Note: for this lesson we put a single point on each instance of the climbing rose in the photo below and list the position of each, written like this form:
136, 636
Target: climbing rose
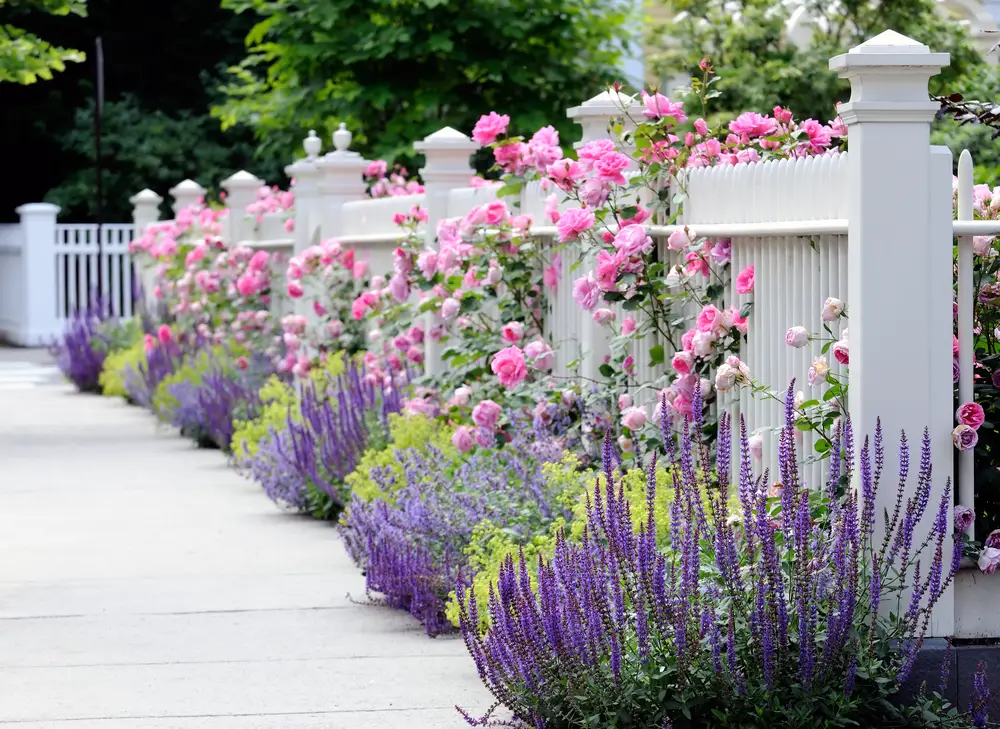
541, 355
832, 309
489, 127
993, 539
797, 337
842, 352
964, 517
586, 292
573, 222
628, 325
164, 334
512, 332
509, 367
486, 414
971, 414
658, 105
744, 281
989, 560
964, 437
634, 418
463, 439
603, 316
610, 167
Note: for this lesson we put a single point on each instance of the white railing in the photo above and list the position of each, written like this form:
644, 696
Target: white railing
12, 303
88, 274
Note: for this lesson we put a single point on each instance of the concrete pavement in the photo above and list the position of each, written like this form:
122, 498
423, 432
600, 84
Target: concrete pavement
143, 584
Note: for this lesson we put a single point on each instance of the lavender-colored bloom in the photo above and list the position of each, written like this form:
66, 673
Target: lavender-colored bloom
980, 697
80, 351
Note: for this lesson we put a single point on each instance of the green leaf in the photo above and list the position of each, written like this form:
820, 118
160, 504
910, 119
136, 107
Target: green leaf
606, 370
656, 355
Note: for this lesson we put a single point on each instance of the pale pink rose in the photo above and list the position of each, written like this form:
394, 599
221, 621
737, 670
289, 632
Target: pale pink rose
703, 343
415, 354
489, 127
512, 332
552, 208
842, 352
399, 287
494, 275
971, 414
797, 337
449, 308
610, 167
753, 124
359, 269
634, 418
683, 363
632, 240
832, 309
625, 444
757, 446
335, 328
603, 316
744, 281
590, 152
566, 173
628, 325
462, 396
679, 240
574, 222
594, 192
463, 439
993, 539
710, 319
496, 212
818, 370
989, 560
658, 106
540, 354
964, 437
586, 292
624, 401
509, 367
486, 414
427, 263
982, 244
964, 518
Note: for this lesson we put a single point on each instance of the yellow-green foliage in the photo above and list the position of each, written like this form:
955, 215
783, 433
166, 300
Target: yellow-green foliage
277, 398
112, 378
192, 370
491, 545
405, 431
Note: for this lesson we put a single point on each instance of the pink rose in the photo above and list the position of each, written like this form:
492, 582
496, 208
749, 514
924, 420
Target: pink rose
679, 240
701, 127
683, 363
486, 414
993, 539
624, 401
757, 446
603, 316
399, 287
797, 337
489, 127
964, 517
541, 355
989, 560
359, 269
971, 414
449, 308
632, 240
744, 281
710, 319
463, 439
496, 212
658, 105
628, 325
842, 352
753, 124
832, 309
574, 222
610, 167
165, 335
512, 332
964, 437
509, 367
607, 270
586, 292
634, 418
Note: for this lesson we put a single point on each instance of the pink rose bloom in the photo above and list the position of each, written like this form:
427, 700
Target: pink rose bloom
744, 281
610, 167
496, 212
624, 401
797, 337
753, 125
165, 335
710, 319
628, 325
512, 332
552, 208
450, 308
511, 156
703, 343
989, 560
589, 153
399, 287
335, 328
678, 240
259, 261
832, 309
360, 268
722, 251
399, 218
701, 127
740, 322
842, 352
376, 168
658, 106
632, 240
818, 370
971, 414
463, 439
586, 292
594, 192
486, 414
964, 518
295, 289
604, 316
427, 263
566, 173
541, 355
509, 367
634, 418
683, 363
415, 355
993, 539
757, 446
550, 277
489, 127
964, 437
461, 396
574, 222
819, 135
607, 270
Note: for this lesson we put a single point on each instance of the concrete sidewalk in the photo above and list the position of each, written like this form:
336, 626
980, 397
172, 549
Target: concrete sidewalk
143, 584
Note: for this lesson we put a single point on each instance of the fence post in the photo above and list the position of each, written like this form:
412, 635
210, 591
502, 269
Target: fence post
446, 168
340, 181
595, 115
145, 212
241, 191
899, 264
186, 194
40, 322
307, 219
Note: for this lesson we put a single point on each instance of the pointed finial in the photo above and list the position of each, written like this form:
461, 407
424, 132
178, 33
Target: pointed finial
342, 138
312, 145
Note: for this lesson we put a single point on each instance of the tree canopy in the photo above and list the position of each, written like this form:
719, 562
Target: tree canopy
26, 58
397, 70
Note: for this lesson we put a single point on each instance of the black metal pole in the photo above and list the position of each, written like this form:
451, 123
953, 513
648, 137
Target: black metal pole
98, 112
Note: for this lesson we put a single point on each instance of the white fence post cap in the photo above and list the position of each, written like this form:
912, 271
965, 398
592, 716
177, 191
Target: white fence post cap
187, 186
312, 145
446, 138
242, 180
606, 103
145, 196
37, 209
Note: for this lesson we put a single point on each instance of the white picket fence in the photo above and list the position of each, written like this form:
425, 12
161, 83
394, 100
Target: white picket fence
50, 270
